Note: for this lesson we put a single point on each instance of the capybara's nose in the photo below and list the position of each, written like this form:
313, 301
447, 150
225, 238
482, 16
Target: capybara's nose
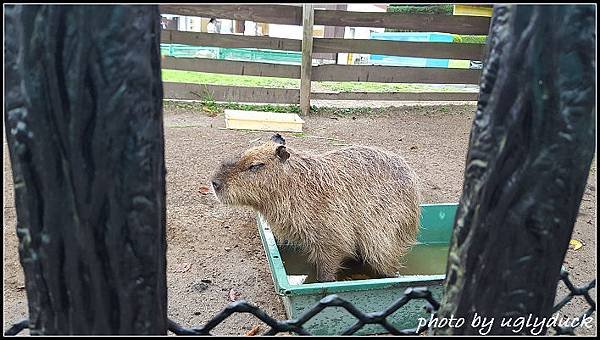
217, 185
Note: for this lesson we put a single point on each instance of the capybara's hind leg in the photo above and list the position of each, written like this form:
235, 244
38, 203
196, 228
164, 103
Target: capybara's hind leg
327, 265
326, 272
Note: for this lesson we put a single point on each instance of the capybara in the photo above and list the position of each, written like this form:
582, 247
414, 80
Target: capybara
356, 202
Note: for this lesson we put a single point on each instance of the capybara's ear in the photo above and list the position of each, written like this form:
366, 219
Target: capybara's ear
282, 153
278, 139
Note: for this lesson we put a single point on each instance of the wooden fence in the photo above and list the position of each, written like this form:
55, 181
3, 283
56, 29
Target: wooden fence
307, 16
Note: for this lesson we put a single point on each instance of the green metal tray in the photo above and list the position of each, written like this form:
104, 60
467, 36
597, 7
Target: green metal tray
368, 295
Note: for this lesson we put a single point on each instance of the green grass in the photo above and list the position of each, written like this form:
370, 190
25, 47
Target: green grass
213, 109
253, 81
178, 76
469, 39
445, 9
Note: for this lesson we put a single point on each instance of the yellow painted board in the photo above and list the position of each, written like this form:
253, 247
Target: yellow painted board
263, 121
458, 63
479, 11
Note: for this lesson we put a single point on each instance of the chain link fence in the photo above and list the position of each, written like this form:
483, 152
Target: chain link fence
362, 319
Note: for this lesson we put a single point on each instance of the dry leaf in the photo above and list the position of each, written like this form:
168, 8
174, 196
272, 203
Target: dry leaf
204, 190
575, 244
233, 294
253, 331
182, 267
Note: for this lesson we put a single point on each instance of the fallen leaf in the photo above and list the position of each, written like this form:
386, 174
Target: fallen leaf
233, 294
413, 147
253, 331
182, 267
575, 244
204, 190
20, 287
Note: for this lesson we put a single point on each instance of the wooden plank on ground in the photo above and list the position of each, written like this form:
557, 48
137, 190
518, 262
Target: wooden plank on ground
458, 24
273, 14
395, 74
246, 68
241, 94
229, 40
401, 48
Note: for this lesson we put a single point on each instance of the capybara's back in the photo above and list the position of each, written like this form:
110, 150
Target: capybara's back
356, 202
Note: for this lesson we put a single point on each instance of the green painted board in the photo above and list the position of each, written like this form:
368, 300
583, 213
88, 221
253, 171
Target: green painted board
426, 267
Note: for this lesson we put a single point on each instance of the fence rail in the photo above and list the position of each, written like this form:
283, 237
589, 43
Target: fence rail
330, 45
362, 319
248, 94
293, 15
342, 73
242, 68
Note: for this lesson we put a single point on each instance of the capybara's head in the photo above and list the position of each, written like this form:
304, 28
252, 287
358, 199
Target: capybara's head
248, 179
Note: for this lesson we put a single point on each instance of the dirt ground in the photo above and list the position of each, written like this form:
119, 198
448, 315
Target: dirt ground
213, 249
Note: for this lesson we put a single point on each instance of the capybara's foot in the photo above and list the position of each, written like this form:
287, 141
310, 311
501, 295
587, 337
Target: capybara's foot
326, 278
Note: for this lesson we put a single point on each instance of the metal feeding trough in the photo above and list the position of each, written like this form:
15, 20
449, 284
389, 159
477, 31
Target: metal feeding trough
424, 265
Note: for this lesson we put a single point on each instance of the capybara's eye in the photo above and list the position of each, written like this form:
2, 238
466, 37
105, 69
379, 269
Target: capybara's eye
255, 167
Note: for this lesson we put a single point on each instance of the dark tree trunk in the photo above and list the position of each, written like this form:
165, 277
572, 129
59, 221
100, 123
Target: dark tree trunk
84, 126
531, 146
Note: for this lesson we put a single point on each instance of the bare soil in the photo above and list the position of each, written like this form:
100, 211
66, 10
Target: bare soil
213, 249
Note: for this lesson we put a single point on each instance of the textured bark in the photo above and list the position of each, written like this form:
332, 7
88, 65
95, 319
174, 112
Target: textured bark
83, 103
531, 146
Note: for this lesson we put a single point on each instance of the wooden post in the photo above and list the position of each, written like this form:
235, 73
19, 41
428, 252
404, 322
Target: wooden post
531, 147
305, 69
84, 126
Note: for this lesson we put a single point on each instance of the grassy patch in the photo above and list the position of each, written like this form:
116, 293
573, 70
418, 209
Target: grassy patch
331, 112
213, 108
446, 9
252, 81
178, 76
346, 112
469, 39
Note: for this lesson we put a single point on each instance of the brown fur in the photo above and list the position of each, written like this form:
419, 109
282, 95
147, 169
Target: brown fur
356, 202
